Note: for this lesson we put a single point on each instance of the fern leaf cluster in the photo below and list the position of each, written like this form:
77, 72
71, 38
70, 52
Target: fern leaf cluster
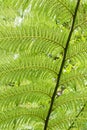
43, 82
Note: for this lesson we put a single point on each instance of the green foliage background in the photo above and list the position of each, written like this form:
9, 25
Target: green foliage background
33, 36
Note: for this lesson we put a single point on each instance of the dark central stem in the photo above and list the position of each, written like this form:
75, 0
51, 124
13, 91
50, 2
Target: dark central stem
62, 65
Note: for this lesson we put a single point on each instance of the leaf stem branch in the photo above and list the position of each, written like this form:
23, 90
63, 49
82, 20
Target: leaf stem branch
61, 67
82, 109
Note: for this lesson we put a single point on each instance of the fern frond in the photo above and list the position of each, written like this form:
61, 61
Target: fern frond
79, 96
25, 38
33, 92
75, 80
19, 115
25, 66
